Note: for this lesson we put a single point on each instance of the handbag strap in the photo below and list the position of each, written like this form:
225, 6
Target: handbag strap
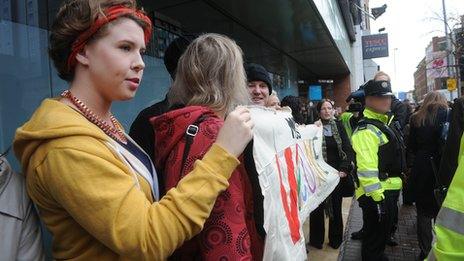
435, 172
190, 133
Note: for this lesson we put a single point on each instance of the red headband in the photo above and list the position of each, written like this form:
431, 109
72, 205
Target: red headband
111, 14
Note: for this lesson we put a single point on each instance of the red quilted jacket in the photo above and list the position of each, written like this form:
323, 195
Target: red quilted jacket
230, 232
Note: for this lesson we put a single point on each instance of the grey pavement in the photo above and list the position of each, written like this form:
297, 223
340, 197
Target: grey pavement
408, 248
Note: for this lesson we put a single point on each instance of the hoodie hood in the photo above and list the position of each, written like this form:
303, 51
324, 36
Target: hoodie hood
170, 129
52, 120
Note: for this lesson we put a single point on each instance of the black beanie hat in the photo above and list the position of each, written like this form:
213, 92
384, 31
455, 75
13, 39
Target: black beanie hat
256, 72
173, 53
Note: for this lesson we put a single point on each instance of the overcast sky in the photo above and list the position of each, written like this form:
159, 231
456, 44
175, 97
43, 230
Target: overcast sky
410, 25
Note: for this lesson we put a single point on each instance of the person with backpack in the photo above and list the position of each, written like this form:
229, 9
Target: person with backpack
426, 139
210, 81
141, 129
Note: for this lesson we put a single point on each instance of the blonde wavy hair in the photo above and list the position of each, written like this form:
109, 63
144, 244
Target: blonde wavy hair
428, 112
211, 73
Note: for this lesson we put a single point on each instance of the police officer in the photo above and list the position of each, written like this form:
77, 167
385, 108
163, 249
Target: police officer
380, 164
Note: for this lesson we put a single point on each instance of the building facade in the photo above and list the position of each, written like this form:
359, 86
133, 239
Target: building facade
436, 64
420, 81
458, 44
370, 67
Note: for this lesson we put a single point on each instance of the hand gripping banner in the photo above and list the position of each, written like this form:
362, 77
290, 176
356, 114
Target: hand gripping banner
293, 176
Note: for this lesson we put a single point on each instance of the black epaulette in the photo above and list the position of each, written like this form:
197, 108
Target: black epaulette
361, 127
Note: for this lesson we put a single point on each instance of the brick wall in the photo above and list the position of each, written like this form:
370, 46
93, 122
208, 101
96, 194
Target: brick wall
341, 91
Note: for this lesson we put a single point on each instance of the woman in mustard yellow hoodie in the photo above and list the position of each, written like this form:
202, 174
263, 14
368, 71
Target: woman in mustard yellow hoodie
95, 189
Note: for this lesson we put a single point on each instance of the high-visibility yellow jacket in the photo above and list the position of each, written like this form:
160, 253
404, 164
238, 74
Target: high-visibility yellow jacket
99, 207
449, 226
366, 142
345, 118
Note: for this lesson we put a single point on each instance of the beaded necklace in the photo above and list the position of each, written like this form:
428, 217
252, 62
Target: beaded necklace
115, 132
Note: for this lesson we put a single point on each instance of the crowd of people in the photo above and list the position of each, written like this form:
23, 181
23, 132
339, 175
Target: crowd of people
414, 151
182, 184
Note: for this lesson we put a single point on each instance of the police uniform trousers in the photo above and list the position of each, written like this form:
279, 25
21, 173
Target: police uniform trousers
375, 230
394, 227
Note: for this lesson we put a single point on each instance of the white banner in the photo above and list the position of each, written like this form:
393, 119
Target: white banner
293, 176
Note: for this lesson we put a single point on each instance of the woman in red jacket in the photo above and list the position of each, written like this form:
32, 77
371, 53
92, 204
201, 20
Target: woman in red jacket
209, 83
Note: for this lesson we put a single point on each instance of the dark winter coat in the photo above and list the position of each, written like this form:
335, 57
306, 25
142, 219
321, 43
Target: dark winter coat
424, 143
400, 111
141, 131
449, 161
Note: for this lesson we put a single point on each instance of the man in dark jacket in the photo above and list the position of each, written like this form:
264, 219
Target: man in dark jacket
400, 111
141, 130
449, 159
408, 187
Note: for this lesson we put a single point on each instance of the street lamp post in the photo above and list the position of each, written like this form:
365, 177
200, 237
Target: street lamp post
449, 50
445, 20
